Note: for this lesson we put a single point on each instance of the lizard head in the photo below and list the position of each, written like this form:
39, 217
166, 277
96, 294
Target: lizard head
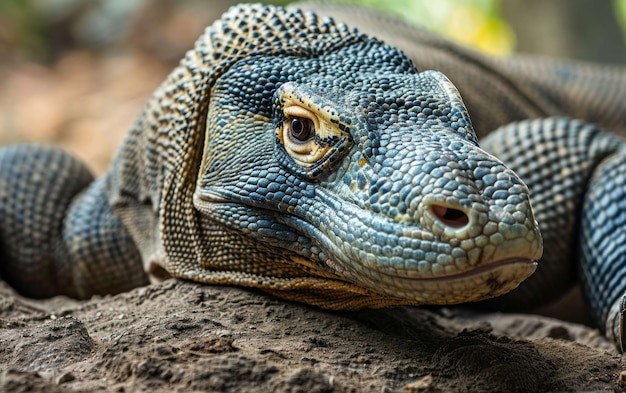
341, 176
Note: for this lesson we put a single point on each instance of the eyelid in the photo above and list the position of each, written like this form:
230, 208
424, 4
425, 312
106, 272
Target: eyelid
298, 111
305, 153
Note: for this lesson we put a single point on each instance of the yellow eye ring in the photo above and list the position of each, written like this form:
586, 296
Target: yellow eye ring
298, 135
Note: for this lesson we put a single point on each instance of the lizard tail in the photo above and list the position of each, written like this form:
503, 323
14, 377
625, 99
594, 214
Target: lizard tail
58, 232
37, 186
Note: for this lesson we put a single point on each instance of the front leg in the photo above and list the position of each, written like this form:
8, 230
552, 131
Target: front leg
575, 173
603, 246
58, 234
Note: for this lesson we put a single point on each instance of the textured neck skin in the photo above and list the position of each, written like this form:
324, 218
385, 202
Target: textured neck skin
393, 152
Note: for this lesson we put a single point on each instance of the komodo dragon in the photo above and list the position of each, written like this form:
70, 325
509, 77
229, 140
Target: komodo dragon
294, 154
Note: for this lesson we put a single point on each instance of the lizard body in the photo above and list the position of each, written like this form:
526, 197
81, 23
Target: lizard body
291, 153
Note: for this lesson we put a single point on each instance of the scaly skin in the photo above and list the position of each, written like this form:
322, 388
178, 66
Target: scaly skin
576, 174
293, 154
574, 170
498, 91
290, 153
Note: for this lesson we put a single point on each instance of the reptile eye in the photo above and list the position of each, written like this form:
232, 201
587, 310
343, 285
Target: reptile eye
298, 135
301, 129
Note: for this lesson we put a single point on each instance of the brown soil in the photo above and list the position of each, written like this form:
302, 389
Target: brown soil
185, 337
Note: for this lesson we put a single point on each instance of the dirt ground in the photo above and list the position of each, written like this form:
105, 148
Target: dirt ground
185, 337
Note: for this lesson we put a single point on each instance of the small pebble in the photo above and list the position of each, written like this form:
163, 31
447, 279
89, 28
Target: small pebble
66, 377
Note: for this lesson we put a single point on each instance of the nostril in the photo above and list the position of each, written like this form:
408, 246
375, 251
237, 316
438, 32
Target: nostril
454, 218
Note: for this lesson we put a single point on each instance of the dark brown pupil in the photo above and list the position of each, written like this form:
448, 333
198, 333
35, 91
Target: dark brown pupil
301, 129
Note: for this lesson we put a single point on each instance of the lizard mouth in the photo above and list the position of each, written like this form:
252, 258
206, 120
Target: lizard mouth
408, 278
509, 263
486, 280
481, 283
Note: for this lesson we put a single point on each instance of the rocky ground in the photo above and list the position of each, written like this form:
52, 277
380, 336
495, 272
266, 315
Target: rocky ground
185, 337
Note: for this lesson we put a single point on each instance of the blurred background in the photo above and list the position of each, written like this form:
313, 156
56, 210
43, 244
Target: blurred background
75, 73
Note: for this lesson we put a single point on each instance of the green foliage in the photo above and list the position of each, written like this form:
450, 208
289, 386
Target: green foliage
476, 23
20, 26
620, 14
